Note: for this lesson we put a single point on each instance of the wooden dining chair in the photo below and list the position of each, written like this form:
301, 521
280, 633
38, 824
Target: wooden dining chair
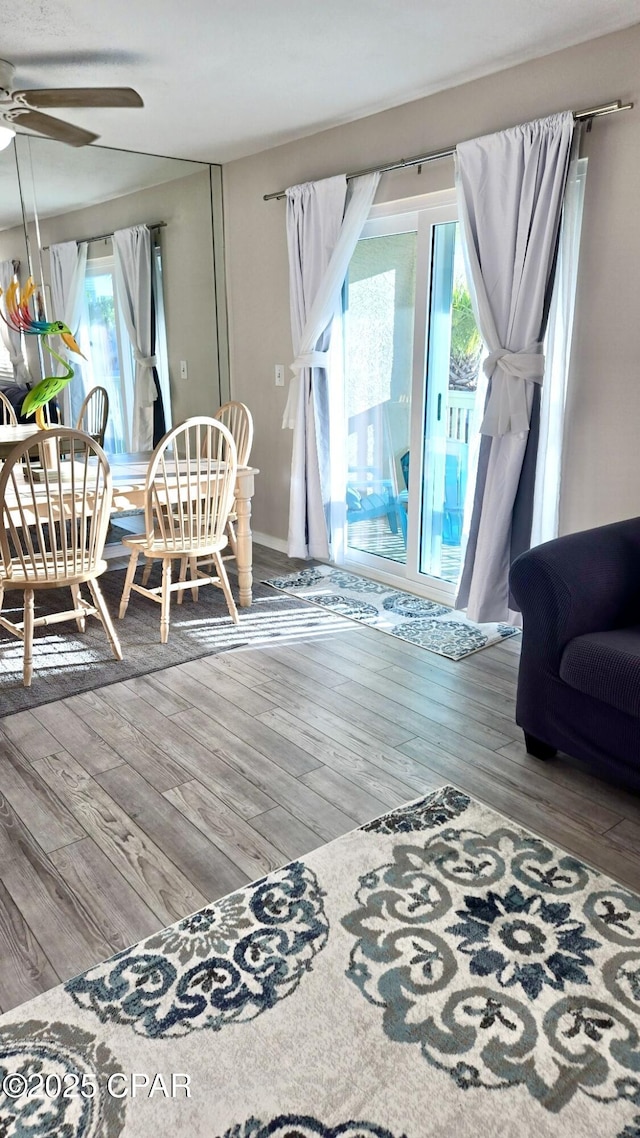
54, 528
94, 413
8, 417
188, 496
239, 420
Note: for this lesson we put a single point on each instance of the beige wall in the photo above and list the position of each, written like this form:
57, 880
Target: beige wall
187, 260
602, 453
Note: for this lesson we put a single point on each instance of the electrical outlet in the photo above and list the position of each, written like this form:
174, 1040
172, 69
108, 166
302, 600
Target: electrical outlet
279, 369
184, 373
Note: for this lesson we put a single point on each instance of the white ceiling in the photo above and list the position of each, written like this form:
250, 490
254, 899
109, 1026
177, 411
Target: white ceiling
225, 78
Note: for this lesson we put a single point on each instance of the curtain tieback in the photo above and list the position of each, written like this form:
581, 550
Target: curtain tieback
310, 359
146, 392
145, 361
304, 360
291, 408
508, 409
527, 364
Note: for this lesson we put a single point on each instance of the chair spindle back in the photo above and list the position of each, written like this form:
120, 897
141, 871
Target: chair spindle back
94, 413
8, 417
238, 418
190, 486
55, 511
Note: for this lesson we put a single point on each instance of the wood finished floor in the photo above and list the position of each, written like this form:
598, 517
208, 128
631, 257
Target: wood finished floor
126, 808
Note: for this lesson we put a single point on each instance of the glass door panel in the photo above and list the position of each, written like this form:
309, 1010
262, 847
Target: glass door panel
411, 358
107, 351
434, 430
453, 360
379, 325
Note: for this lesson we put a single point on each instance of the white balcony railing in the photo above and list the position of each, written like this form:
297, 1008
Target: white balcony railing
459, 412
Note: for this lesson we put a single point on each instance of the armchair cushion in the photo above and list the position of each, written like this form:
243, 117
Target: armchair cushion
606, 666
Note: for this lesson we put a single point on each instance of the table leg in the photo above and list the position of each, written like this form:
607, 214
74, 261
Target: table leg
244, 553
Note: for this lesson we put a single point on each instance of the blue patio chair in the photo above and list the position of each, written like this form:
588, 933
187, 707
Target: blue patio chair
369, 496
455, 484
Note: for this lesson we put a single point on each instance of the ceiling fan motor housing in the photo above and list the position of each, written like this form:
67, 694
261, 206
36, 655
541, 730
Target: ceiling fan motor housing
7, 72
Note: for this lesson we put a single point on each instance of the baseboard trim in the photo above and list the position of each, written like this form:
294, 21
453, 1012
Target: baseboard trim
276, 543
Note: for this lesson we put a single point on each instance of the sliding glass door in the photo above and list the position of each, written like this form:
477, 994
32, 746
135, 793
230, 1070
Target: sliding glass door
412, 354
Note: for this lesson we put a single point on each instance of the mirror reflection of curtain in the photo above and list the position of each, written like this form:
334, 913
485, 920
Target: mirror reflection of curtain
134, 285
68, 270
12, 340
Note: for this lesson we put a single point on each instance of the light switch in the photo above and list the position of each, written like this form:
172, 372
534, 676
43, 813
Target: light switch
183, 369
279, 369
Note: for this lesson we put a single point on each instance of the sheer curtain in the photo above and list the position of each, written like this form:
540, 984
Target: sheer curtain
68, 270
133, 275
546, 499
10, 338
321, 237
510, 190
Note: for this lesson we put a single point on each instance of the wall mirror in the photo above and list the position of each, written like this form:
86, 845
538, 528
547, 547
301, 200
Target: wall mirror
13, 259
50, 194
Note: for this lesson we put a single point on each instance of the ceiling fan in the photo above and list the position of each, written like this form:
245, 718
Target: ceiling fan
22, 107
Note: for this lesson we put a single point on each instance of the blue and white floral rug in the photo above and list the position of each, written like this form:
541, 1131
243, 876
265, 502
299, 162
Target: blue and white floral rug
438, 972
425, 623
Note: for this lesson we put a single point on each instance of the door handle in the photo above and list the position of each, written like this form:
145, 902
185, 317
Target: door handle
439, 414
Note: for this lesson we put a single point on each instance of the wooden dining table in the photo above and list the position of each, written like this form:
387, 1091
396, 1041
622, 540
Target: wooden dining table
129, 472
10, 436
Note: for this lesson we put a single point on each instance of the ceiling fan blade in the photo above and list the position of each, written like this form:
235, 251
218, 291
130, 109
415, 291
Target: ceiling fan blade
81, 97
52, 128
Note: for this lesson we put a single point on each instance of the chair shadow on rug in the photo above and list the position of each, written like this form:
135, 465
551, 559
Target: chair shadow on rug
76, 662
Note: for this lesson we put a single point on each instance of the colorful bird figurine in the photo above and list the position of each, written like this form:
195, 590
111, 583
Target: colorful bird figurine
19, 319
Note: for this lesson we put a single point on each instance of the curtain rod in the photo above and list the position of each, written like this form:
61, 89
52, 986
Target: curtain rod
578, 116
104, 236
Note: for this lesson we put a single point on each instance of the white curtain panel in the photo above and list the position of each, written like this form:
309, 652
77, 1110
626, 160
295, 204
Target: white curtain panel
133, 273
321, 237
68, 271
10, 338
510, 188
546, 500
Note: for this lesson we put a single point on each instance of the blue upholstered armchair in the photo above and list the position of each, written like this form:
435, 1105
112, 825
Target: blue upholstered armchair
579, 679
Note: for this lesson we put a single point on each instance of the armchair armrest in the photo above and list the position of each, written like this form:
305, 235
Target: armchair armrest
583, 582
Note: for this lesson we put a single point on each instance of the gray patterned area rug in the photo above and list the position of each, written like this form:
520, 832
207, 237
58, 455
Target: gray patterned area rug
438, 972
67, 662
426, 623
